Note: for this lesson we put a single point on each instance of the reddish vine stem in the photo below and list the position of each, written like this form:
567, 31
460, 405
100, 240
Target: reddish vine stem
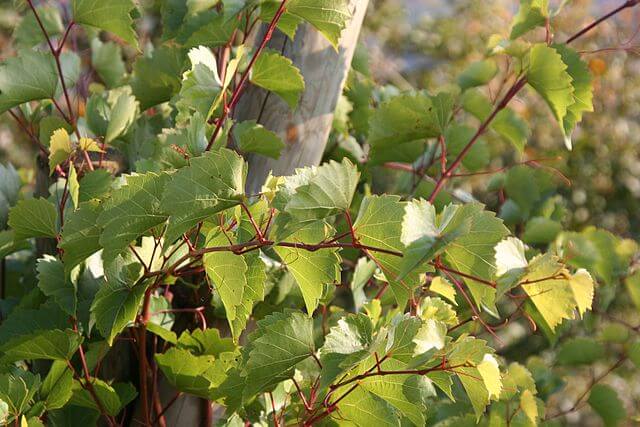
626, 5
88, 385
237, 92
56, 51
513, 91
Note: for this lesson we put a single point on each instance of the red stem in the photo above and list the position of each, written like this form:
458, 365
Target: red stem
245, 76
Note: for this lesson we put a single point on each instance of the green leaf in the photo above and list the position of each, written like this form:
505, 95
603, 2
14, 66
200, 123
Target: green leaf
106, 58
133, 210
73, 186
319, 192
281, 341
33, 218
117, 302
379, 224
28, 34
122, 115
81, 234
29, 77
95, 185
53, 282
255, 138
548, 75
17, 389
24, 322
113, 16
473, 252
112, 397
226, 270
541, 230
477, 74
9, 245
329, 17
579, 351
582, 90
404, 118
532, 14
156, 79
345, 346
605, 402
361, 407
201, 85
431, 335
311, 269
510, 256
50, 345
253, 293
277, 73
408, 394
197, 375
56, 387
211, 183
424, 236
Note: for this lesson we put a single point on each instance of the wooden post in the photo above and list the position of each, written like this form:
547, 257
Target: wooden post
305, 130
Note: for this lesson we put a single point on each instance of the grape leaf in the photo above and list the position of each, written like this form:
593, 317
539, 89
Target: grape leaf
113, 16
29, 77
48, 345
226, 270
156, 79
379, 224
548, 75
255, 138
81, 234
53, 282
281, 341
311, 269
532, 14
329, 17
404, 118
117, 302
277, 73
582, 90
211, 183
424, 236
132, 210
33, 218
59, 149
56, 387
201, 85
106, 58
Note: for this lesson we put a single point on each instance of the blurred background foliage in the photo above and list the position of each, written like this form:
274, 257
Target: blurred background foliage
427, 43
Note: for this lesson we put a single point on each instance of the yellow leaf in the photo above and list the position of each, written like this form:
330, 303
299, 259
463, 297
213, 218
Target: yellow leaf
88, 144
529, 406
59, 148
442, 287
583, 287
490, 373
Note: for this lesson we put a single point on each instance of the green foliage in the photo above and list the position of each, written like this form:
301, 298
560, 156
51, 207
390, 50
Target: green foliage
371, 288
